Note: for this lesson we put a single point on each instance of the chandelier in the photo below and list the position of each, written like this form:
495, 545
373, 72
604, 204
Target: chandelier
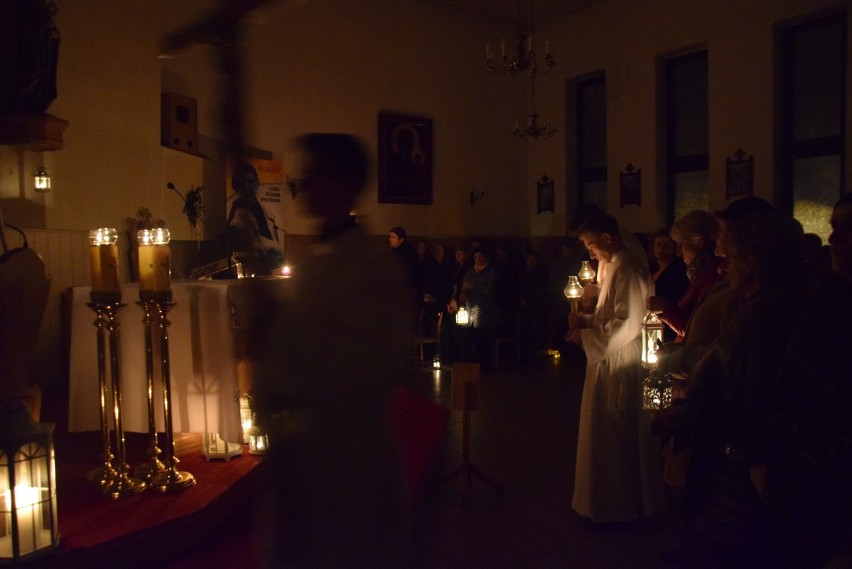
521, 55
522, 58
534, 129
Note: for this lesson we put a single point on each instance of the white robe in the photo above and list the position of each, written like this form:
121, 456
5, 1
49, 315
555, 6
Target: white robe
618, 474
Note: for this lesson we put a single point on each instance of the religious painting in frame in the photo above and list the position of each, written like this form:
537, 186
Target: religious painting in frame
739, 175
405, 159
546, 198
631, 186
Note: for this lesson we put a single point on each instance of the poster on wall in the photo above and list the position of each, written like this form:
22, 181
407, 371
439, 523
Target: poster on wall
253, 190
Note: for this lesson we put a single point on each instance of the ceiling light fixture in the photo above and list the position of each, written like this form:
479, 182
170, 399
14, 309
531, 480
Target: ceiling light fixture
521, 56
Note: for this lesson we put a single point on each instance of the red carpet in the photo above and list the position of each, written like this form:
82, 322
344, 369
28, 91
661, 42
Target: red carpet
209, 524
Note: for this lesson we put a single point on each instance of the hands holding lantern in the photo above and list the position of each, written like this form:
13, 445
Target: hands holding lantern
580, 290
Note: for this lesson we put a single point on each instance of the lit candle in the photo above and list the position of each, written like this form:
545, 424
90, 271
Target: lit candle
154, 260
28, 514
104, 255
573, 292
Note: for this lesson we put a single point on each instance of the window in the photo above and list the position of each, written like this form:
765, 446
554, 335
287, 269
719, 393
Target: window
813, 79
591, 141
686, 112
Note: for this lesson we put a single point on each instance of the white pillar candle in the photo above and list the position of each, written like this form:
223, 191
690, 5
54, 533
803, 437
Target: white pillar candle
104, 257
27, 511
154, 260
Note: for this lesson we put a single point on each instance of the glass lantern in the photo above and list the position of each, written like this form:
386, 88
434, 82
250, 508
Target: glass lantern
573, 292
657, 391
41, 179
28, 516
246, 416
258, 441
652, 339
463, 316
587, 274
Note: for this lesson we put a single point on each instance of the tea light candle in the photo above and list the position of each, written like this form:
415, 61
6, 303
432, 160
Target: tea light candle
104, 254
154, 260
28, 513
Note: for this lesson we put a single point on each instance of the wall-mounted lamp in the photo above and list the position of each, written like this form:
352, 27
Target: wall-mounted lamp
41, 179
476, 195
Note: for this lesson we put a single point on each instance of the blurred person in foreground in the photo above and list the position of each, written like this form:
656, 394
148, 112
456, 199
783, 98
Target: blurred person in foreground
811, 486
327, 355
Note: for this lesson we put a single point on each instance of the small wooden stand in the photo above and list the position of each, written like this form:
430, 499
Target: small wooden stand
465, 396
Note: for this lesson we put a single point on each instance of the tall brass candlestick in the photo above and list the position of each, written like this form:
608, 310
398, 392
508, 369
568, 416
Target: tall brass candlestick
149, 470
106, 472
156, 293
171, 478
112, 477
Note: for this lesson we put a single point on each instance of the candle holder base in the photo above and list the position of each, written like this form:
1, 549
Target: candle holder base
148, 471
102, 476
123, 485
173, 480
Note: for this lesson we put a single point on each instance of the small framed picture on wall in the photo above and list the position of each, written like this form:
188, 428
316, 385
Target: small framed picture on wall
546, 197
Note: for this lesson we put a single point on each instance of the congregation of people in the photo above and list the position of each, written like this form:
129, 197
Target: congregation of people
505, 292
757, 444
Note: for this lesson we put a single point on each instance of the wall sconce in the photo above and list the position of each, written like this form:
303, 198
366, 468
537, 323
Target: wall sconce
27, 486
475, 196
42, 180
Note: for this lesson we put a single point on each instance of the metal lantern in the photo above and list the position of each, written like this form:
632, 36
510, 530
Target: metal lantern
573, 291
258, 441
27, 486
41, 179
463, 316
246, 416
657, 391
586, 273
652, 339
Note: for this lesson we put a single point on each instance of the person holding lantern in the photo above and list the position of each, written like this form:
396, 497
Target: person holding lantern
618, 478
734, 400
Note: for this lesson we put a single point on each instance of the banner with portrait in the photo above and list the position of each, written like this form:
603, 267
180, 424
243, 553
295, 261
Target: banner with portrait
254, 206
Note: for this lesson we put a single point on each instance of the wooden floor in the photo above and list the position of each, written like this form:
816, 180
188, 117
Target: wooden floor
523, 436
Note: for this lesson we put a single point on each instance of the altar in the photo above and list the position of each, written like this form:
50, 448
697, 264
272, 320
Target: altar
203, 361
